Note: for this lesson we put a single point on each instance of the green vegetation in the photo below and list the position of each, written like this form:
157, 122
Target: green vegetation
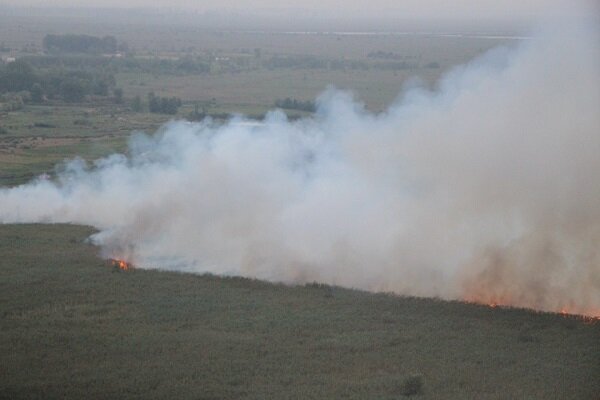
68, 85
36, 138
412, 385
163, 105
17, 76
80, 44
295, 104
74, 327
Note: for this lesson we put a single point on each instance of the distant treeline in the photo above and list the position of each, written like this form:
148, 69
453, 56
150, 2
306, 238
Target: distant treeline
163, 105
310, 62
157, 104
210, 63
80, 44
295, 104
185, 65
387, 55
297, 62
68, 85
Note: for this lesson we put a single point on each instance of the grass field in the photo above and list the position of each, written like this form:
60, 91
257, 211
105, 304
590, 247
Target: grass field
74, 327
376, 88
77, 120
40, 137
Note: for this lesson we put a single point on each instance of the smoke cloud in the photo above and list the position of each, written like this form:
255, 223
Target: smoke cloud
486, 188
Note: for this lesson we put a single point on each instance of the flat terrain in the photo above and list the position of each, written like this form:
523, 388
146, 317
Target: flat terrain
71, 326
41, 137
245, 72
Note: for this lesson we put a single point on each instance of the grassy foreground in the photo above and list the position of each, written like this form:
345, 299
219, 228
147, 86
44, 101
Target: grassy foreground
73, 327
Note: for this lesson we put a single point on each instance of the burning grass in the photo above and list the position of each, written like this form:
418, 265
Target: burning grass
589, 317
121, 265
73, 329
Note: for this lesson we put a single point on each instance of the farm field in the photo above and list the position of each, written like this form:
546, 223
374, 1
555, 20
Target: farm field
40, 137
237, 72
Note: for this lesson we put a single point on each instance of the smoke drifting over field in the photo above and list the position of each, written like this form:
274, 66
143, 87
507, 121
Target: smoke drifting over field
486, 189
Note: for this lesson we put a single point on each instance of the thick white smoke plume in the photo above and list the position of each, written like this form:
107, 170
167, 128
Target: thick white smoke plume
485, 189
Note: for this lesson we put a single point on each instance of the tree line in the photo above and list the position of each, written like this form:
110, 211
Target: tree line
23, 83
156, 104
70, 86
80, 44
295, 104
182, 66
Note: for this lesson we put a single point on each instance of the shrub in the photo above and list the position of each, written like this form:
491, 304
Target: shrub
118, 93
412, 385
43, 125
73, 90
136, 104
37, 93
163, 105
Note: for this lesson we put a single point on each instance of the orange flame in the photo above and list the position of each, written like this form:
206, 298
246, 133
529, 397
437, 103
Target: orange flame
121, 264
588, 316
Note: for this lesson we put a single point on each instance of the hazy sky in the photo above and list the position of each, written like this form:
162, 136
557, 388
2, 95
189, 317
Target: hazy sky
357, 8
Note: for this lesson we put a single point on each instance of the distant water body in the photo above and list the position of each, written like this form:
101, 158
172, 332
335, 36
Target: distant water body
475, 35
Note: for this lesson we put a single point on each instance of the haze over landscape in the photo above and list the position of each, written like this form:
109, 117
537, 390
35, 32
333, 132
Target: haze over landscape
471, 191
432, 9
486, 15
209, 152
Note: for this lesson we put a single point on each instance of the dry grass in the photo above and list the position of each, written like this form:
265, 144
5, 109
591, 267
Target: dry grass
74, 328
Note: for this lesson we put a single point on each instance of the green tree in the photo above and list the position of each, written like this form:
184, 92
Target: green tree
19, 75
73, 90
118, 92
100, 87
163, 105
136, 104
37, 93
153, 103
